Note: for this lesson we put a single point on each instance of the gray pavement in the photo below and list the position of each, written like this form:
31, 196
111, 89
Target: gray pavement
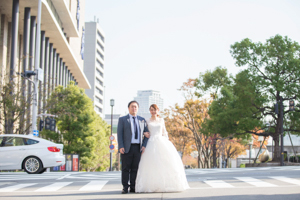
246, 183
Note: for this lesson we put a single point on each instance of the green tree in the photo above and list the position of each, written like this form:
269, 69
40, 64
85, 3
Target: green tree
270, 72
80, 129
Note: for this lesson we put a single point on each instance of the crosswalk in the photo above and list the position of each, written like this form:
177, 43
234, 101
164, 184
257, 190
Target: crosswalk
60, 176
230, 170
100, 185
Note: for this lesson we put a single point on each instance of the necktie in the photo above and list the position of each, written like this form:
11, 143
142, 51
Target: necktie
135, 129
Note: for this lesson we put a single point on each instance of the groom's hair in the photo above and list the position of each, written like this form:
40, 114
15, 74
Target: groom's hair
133, 102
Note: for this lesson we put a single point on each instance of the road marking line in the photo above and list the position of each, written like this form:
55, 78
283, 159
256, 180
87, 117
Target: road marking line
53, 187
286, 179
16, 187
93, 186
255, 182
218, 184
63, 177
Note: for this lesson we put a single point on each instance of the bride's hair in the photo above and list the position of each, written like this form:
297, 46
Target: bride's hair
155, 107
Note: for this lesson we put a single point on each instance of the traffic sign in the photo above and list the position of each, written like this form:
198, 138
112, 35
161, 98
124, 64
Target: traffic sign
111, 151
111, 138
36, 133
111, 146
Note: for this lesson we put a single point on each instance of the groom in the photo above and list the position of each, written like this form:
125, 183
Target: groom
131, 129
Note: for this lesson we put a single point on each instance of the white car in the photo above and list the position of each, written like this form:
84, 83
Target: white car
30, 153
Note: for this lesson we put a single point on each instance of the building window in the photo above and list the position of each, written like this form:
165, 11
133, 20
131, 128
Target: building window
99, 109
99, 91
99, 82
100, 54
100, 63
101, 36
100, 45
99, 73
99, 100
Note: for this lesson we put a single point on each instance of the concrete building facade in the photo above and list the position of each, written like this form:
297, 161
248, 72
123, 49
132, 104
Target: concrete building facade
146, 98
94, 64
61, 44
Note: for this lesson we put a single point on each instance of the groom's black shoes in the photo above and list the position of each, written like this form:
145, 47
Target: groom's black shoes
125, 191
132, 190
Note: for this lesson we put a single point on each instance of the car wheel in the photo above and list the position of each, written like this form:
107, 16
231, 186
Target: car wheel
43, 170
32, 165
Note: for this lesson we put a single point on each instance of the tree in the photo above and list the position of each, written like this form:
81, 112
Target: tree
80, 129
13, 105
193, 113
232, 148
179, 135
270, 73
273, 72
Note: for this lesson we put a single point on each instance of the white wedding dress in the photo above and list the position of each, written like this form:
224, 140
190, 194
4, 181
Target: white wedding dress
160, 168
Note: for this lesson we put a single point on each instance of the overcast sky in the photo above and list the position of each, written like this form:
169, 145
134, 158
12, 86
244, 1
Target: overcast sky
159, 44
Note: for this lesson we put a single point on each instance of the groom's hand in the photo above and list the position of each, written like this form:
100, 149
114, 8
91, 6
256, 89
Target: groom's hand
122, 150
147, 134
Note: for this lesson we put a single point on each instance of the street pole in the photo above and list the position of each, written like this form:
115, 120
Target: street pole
281, 131
111, 127
36, 66
112, 102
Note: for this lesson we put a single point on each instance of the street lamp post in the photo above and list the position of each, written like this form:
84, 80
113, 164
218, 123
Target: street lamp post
112, 103
281, 131
250, 148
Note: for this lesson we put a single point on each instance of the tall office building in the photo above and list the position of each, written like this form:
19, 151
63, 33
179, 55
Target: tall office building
146, 98
94, 64
61, 45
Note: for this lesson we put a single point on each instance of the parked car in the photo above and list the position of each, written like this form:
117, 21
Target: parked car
30, 153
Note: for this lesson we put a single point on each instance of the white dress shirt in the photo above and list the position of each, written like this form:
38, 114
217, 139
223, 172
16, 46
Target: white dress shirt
133, 140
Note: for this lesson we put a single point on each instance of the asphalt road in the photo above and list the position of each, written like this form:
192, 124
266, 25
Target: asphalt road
238, 183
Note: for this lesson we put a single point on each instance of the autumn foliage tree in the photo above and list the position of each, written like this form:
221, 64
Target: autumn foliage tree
179, 135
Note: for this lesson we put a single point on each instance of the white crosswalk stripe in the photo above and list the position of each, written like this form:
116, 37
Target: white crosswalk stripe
53, 187
286, 179
218, 184
255, 182
16, 187
93, 186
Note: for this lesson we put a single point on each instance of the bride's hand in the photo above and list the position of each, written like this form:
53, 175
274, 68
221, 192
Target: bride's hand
143, 149
147, 134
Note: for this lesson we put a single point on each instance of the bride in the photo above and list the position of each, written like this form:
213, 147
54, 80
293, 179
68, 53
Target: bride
160, 168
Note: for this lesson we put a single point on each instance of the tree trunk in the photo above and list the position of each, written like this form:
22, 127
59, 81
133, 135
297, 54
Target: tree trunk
276, 156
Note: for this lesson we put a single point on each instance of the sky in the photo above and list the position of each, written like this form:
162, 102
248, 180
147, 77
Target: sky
159, 44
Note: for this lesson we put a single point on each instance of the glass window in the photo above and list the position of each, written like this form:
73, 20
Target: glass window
100, 45
1, 139
100, 35
99, 63
99, 109
100, 54
19, 141
99, 73
99, 91
30, 141
12, 141
99, 82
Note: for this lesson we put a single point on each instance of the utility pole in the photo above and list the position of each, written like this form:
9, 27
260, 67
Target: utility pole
281, 131
36, 67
